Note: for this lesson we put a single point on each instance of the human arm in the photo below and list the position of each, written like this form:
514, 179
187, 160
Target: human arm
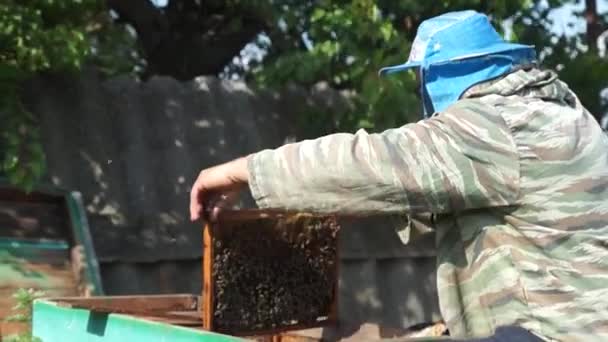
462, 159
217, 186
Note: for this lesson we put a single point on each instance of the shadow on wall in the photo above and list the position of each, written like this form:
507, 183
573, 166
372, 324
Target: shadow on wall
134, 149
376, 303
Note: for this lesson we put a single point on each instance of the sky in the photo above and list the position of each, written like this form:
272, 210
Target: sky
159, 3
564, 15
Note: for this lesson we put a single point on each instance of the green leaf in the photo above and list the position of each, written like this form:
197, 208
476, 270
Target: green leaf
10, 162
10, 73
17, 318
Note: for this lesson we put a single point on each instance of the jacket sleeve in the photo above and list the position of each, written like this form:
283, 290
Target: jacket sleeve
464, 158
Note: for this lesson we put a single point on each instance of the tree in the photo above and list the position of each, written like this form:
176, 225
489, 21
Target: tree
188, 38
594, 25
350, 39
574, 56
39, 37
341, 43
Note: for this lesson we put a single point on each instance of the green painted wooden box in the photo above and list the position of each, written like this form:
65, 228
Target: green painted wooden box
55, 322
175, 318
45, 244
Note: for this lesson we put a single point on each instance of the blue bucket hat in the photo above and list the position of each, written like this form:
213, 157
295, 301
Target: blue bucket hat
455, 51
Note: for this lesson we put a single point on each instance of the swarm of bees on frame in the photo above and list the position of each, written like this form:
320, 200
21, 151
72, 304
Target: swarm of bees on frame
273, 273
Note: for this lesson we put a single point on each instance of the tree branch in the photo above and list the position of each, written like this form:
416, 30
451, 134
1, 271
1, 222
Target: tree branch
594, 28
188, 38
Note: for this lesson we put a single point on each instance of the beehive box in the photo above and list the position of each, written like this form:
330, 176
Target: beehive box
44, 245
173, 318
265, 272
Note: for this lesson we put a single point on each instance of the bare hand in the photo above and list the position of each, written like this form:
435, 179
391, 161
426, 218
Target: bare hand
217, 187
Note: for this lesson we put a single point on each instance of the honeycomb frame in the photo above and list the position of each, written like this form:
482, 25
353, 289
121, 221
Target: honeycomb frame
288, 230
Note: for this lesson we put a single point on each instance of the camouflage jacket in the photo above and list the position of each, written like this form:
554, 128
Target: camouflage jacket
516, 176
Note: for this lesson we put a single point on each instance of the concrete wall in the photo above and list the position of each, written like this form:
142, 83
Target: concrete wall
133, 149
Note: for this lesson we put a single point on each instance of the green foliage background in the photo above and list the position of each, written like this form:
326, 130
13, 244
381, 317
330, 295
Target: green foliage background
352, 39
342, 43
39, 37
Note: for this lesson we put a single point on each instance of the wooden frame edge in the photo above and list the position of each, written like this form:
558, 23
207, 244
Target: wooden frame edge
207, 295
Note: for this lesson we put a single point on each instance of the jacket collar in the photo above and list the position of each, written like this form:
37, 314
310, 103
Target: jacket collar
534, 82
